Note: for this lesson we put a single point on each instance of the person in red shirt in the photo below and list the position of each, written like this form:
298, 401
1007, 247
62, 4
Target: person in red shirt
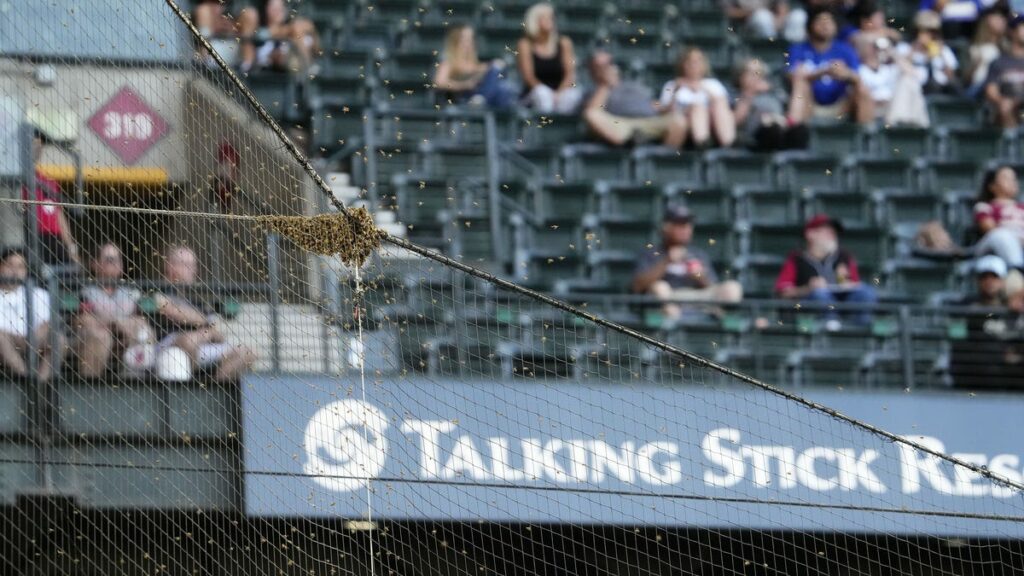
999, 216
822, 272
57, 246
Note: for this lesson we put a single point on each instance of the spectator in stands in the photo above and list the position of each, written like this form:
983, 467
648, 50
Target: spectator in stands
621, 112
702, 100
795, 28
992, 353
871, 26
999, 216
232, 38
465, 78
1004, 86
57, 245
14, 319
547, 64
933, 60
760, 111
194, 327
988, 44
757, 18
823, 74
824, 273
889, 77
676, 272
109, 318
958, 17
282, 32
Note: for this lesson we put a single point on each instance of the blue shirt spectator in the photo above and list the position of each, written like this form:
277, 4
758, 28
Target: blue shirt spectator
827, 90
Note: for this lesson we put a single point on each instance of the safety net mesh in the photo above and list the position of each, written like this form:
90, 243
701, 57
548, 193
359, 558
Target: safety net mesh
234, 360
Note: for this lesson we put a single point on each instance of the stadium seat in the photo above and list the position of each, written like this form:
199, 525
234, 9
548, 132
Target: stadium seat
757, 274
368, 36
448, 12
637, 201
549, 131
916, 278
837, 138
904, 142
621, 236
766, 204
587, 161
632, 45
555, 201
975, 144
708, 204
772, 52
728, 168
423, 37
278, 93
660, 165
940, 176
454, 160
775, 240
866, 174
639, 16
847, 205
953, 111
420, 202
335, 126
795, 171
388, 10
613, 271
899, 205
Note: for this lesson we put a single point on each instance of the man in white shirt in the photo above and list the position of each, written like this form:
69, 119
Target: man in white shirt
14, 318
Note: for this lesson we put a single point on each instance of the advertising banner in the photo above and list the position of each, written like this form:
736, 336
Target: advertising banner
684, 456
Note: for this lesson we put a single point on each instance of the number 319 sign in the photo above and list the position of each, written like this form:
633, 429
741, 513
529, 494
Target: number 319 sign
128, 126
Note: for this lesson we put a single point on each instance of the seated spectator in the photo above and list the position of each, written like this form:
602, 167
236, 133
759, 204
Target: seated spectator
109, 319
282, 32
958, 17
191, 326
676, 272
795, 28
232, 38
14, 319
760, 112
757, 18
547, 64
822, 272
993, 351
621, 112
703, 101
823, 73
465, 78
987, 45
57, 246
1004, 86
934, 61
999, 216
891, 80
871, 26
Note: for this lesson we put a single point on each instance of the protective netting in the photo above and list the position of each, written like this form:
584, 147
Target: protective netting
220, 372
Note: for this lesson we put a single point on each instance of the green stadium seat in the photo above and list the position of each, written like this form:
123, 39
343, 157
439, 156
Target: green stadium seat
709, 204
636, 201
564, 200
638, 16
277, 92
823, 368
423, 37
451, 11
613, 271
472, 240
410, 130
660, 165
508, 12
454, 161
866, 174
765, 204
621, 236
869, 245
953, 111
13, 408
369, 36
905, 142
21, 468
940, 176
796, 171
757, 274
595, 162
837, 138
551, 131
709, 23
898, 205
545, 271
719, 239
334, 127
421, 201
776, 240
772, 52
500, 41
916, 278
728, 168
388, 10
976, 144
846, 205
632, 45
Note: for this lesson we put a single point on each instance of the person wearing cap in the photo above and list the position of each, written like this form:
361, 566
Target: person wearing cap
823, 74
57, 244
676, 272
822, 272
15, 324
934, 62
1004, 86
992, 353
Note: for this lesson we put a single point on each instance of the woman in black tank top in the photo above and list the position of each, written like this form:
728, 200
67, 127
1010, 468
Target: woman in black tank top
547, 64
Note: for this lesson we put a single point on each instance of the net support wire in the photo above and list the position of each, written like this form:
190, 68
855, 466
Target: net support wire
558, 304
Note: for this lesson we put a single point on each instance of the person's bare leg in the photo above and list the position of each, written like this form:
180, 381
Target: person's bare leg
863, 105
699, 119
46, 352
600, 124
11, 354
723, 123
801, 101
237, 361
675, 133
95, 342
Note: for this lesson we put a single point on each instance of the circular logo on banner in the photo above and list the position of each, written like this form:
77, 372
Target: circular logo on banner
346, 445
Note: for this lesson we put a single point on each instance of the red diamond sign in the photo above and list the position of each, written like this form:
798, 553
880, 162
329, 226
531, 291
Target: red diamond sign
128, 126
